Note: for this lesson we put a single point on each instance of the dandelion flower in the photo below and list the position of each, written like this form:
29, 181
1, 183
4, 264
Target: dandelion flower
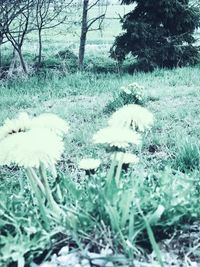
31, 148
126, 158
116, 136
24, 123
21, 124
133, 116
51, 122
89, 164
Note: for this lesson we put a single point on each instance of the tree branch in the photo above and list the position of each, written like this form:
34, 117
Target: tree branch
94, 4
94, 20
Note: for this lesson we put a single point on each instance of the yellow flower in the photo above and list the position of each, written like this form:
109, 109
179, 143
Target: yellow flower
31, 148
116, 136
89, 164
51, 122
21, 124
133, 116
29, 142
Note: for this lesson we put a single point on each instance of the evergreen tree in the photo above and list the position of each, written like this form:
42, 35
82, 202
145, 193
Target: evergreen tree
159, 34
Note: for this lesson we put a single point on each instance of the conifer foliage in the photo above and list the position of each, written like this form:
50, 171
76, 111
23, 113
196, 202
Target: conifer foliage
159, 34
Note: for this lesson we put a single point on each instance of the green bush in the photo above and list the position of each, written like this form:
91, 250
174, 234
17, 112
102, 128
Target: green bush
99, 64
64, 60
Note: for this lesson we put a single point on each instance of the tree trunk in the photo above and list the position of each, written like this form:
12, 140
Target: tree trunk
22, 62
84, 30
1, 41
39, 47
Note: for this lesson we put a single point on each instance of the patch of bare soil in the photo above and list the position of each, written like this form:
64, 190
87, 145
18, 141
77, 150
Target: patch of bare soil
182, 249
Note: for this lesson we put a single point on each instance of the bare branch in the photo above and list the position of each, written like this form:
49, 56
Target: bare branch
92, 5
94, 20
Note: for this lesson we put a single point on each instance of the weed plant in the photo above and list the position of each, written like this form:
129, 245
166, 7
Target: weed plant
131, 94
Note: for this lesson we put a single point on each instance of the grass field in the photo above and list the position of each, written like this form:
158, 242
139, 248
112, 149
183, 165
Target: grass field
168, 172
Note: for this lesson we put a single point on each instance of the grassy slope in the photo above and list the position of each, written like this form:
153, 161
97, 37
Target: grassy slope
80, 98
173, 95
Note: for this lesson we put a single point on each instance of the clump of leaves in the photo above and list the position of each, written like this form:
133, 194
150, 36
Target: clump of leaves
130, 94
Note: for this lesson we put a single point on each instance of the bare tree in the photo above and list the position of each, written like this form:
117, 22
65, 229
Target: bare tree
87, 24
20, 17
49, 14
15, 19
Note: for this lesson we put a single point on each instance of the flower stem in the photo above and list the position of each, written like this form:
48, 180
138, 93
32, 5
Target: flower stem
111, 170
41, 206
39, 183
119, 168
53, 205
59, 193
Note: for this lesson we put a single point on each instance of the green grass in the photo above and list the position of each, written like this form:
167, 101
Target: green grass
167, 175
187, 157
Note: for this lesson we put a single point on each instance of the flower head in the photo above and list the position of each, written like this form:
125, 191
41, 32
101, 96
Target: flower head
89, 164
133, 116
31, 142
116, 136
31, 148
126, 158
21, 124
51, 122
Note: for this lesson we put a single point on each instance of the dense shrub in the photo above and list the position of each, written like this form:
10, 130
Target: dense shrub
101, 64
